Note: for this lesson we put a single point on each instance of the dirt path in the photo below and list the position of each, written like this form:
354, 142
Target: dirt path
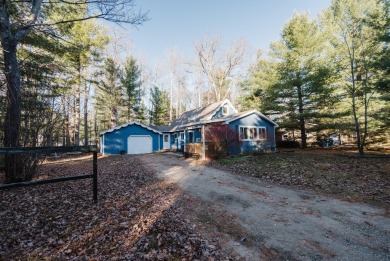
285, 223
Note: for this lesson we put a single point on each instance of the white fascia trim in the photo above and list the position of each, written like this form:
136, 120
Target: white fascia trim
128, 124
223, 103
253, 112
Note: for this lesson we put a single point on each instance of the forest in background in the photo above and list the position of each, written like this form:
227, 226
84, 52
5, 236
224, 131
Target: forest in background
327, 74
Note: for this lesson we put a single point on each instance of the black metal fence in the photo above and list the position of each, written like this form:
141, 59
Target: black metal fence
49, 150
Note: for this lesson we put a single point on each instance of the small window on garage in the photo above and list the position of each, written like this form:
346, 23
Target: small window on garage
166, 137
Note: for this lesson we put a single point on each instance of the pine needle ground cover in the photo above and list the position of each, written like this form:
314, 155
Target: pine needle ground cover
331, 172
137, 217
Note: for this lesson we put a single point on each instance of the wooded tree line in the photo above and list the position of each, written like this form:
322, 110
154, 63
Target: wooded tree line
329, 74
51, 53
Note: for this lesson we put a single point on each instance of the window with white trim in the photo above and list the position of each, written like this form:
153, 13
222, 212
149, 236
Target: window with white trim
252, 133
182, 135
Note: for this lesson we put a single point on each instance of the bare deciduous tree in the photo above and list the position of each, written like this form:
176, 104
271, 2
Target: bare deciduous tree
219, 64
174, 61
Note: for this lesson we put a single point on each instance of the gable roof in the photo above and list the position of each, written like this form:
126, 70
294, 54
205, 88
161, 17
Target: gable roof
230, 118
198, 117
201, 114
128, 124
240, 115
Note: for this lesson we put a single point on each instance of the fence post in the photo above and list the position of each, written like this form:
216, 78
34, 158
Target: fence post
95, 176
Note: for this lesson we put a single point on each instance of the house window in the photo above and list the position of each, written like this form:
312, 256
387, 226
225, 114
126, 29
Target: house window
182, 135
225, 110
190, 137
166, 137
252, 133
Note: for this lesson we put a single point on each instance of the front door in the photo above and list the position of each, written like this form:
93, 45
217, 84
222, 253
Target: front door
166, 142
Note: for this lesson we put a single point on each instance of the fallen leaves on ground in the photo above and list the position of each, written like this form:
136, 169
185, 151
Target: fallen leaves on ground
326, 171
137, 217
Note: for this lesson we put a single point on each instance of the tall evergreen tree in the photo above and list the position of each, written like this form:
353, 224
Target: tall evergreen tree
159, 113
382, 66
131, 81
295, 84
109, 95
356, 47
86, 44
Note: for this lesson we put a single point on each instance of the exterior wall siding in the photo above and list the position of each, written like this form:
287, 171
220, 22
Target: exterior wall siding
196, 135
116, 141
253, 120
161, 145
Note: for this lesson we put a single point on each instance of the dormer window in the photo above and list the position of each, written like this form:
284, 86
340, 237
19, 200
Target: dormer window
225, 110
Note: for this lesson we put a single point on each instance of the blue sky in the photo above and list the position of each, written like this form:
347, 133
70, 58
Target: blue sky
180, 23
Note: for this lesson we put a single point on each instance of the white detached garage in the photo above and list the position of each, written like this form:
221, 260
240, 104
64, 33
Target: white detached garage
130, 138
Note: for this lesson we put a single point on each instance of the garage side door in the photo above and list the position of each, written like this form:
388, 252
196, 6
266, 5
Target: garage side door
139, 144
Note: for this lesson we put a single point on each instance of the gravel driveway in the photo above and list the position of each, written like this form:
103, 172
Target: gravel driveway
296, 224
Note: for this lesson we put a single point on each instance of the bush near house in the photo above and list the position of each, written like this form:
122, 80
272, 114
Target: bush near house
222, 138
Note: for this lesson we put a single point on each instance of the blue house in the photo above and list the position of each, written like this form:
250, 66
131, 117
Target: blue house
251, 131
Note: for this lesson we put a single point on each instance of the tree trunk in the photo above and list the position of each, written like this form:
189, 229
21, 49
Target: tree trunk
86, 93
77, 110
354, 111
114, 117
171, 100
67, 125
12, 118
302, 126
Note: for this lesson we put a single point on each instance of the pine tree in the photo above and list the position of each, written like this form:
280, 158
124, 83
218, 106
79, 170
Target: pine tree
296, 82
109, 96
356, 48
131, 81
382, 67
159, 113
85, 41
